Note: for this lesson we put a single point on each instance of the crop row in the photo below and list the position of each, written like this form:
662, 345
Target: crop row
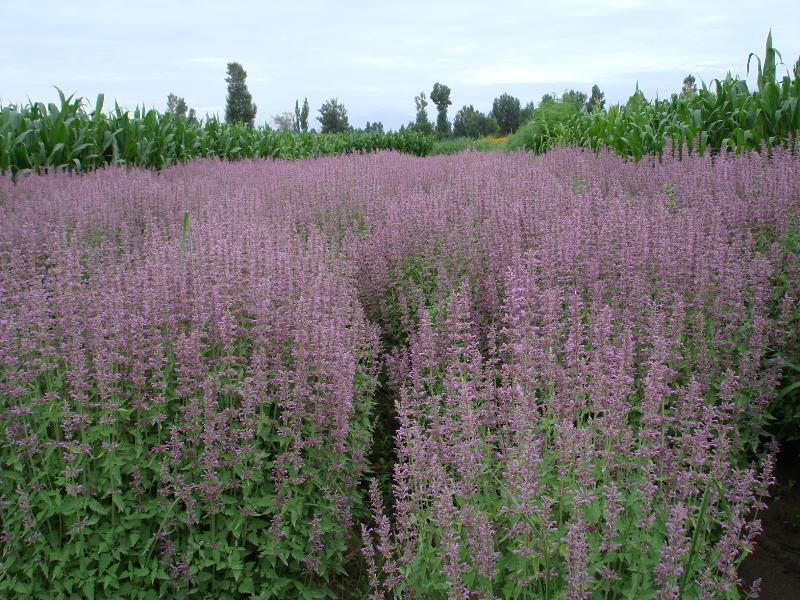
722, 116
39, 137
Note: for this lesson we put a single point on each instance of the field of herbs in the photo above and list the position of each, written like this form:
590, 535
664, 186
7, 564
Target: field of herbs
487, 375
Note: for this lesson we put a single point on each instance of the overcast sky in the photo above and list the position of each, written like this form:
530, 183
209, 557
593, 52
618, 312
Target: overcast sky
376, 56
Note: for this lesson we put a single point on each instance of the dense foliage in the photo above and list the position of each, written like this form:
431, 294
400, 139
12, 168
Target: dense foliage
421, 122
454, 145
176, 105
469, 122
537, 134
440, 96
724, 115
333, 117
40, 137
200, 369
239, 105
506, 110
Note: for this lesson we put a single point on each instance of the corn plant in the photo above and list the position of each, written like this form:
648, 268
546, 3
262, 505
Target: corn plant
70, 136
724, 115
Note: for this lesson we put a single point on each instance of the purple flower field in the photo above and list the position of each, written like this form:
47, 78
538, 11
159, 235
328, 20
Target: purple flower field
475, 376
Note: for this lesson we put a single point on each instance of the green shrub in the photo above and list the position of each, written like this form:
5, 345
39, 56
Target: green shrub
545, 127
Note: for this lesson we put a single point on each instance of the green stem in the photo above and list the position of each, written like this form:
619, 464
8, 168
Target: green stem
695, 536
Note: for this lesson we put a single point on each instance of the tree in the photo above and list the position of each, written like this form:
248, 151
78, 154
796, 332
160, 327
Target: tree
440, 95
526, 113
333, 117
421, 123
177, 106
296, 120
597, 101
284, 121
304, 116
575, 98
239, 107
689, 87
376, 127
548, 99
506, 110
472, 123
797, 69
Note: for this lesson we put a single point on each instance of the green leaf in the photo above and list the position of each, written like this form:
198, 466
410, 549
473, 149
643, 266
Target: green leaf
247, 586
789, 389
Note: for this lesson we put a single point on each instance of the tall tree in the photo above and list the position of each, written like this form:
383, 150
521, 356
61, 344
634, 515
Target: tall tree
597, 101
506, 109
548, 99
304, 116
333, 117
440, 95
239, 107
575, 98
421, 123
689, 86
797, 69
296, 120
284, 121
472, 123
526, 113
177, 106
